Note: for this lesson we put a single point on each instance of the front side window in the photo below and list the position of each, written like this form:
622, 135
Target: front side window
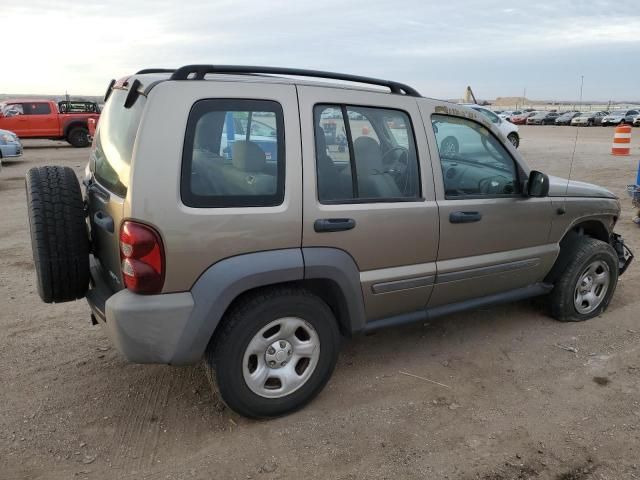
233, 154
474, 162
365, 154
12, 109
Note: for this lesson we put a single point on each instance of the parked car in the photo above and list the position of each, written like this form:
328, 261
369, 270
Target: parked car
566, 117
542, 118
509, 113
618, 117
636, 121
260, 267
10, 145
42, 119
522, 118
588, 119
508, 129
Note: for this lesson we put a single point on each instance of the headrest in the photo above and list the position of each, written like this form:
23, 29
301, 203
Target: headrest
248, 156
321, 140
368, 155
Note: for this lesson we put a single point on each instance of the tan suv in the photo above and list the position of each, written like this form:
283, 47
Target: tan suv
253, 220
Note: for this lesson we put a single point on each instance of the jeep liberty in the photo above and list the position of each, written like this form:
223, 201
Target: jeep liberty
251, 219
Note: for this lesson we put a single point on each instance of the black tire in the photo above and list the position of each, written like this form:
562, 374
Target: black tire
78, 137
514, 138
580, 253
590, 123
225, 354
449, 146
59, 237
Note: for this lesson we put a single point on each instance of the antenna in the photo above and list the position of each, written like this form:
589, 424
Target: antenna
573, 154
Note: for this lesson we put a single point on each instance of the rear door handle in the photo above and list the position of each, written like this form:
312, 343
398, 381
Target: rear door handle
465, 217
104, 221
333, 224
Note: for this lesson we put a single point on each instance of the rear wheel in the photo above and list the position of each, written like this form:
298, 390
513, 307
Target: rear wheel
588, 280
274, 353
78, 137
59, 237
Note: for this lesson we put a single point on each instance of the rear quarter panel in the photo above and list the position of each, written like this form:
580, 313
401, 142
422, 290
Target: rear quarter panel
196, 238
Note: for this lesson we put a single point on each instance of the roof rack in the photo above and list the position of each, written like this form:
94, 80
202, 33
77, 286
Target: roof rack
197, 72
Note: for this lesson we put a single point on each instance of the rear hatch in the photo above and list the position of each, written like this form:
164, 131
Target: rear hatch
108, 181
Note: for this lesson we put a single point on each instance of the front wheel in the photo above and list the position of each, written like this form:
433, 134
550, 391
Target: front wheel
274, 352
588, 280
514, 139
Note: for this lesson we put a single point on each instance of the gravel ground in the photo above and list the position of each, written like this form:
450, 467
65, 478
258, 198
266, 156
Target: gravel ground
519, 406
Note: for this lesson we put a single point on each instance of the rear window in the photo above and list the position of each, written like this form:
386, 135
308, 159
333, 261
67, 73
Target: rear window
233, 154
114, 141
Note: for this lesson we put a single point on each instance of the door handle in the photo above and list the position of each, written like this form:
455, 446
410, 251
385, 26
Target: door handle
333, 224
104, 221
465, 217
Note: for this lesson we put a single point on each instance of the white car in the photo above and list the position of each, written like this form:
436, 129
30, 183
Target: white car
508, 129
507, 114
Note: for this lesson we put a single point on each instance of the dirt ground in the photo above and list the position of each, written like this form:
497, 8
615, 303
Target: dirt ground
519, 406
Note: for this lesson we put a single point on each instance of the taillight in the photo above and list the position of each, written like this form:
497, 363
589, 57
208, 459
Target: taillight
142, 258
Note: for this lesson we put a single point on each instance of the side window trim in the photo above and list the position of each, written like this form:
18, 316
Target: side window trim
204, 106
343, 107
519, 173
352, 155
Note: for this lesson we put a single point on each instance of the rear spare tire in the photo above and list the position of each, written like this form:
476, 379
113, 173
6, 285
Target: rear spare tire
59, 237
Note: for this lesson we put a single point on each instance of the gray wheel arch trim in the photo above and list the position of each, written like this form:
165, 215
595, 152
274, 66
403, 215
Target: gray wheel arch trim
338, 266
224, 281
221, 283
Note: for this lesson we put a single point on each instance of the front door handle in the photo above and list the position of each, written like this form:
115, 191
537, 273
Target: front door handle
465, 217
333, 224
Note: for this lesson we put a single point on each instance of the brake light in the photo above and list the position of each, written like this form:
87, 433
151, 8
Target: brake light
142, 257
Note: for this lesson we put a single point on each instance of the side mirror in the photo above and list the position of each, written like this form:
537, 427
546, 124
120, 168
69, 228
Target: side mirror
537, 184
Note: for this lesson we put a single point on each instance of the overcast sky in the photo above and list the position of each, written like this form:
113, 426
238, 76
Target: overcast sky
498, 47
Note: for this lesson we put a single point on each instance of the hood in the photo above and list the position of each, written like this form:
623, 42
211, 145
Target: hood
558, 186
615, 115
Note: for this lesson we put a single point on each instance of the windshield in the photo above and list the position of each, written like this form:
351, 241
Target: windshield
114, 141
490, 115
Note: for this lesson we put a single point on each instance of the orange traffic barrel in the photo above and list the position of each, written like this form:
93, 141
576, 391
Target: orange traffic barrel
622, 140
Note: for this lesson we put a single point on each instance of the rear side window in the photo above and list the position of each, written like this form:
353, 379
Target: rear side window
114, 142
233, 154
36, 108
365, 154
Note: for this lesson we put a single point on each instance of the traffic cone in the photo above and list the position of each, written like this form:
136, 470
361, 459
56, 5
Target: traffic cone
622, 141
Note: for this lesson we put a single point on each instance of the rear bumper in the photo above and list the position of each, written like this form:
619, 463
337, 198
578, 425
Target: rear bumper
147, 328
144, 328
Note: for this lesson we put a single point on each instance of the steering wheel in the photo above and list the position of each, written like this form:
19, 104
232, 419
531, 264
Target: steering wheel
494, 184
399, 164
398, 167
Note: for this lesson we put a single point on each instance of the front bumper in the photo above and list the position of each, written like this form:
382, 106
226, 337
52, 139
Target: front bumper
625, 255
11, 150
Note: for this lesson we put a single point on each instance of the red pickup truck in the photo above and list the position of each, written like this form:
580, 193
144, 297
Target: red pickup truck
43, 119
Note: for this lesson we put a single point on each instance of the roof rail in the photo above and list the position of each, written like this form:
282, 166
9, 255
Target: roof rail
156, 70
199, 71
